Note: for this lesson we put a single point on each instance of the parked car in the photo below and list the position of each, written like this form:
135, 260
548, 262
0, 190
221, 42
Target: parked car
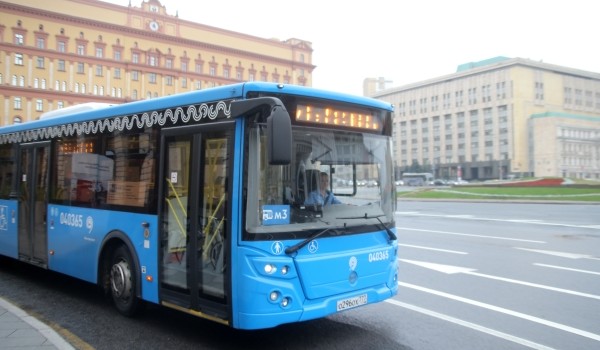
439, 182
459, 182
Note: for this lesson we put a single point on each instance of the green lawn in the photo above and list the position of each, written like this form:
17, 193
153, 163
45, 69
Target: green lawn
507, 193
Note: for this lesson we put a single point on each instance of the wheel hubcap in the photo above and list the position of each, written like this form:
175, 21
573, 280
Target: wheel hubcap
120, 277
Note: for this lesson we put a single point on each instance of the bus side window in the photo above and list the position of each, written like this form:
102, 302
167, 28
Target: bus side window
77, 171
7, 160
132, 183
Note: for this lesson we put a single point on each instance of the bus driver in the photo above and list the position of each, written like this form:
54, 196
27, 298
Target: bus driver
322, 195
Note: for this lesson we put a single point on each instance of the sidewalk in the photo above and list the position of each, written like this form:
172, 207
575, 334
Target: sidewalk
19, 330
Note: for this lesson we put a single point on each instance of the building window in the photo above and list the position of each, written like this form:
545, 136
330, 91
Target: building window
60, 104
539, 91
184, 83
17, 103
99, 70
39, 105
19, 59
458, 98
19, 39
472, 96
76, 88
184, 66
198, 85
169, 80
199, 68
169, 63
134, 94
486, 92
80, 68
152, 61
135, 75
212, 71
81, 50
501, 90
117, 73
135, 58
568, 95
40, 43
61, 46
99, 52
152, 78
21, 81
40, 62
117, 55
226, 73
36, 83
43, 85
61, 65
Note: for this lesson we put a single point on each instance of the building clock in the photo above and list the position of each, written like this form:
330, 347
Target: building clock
153, 26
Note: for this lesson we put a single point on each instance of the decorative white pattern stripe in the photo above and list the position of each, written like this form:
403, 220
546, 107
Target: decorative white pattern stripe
148, 119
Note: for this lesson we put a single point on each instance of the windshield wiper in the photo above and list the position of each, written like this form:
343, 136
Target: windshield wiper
366, 216
298, 246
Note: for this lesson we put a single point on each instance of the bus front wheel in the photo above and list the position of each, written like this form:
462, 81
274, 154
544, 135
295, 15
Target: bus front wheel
122, 282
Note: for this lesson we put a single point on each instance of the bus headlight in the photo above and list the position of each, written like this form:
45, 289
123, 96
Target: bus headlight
270, 268
285, 302
284, 270
273, 296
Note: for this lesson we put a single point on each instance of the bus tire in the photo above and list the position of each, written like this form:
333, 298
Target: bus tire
122, 277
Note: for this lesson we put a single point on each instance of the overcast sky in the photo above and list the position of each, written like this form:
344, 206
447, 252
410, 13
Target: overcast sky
407, 41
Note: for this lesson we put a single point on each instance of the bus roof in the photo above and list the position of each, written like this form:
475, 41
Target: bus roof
226, 92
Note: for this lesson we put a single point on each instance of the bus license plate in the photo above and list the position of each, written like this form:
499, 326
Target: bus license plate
349, 303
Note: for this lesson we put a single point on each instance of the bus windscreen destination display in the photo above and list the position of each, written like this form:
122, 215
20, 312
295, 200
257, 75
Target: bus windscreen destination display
354, 118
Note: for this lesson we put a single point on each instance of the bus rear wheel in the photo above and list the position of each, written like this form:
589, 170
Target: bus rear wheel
123, 282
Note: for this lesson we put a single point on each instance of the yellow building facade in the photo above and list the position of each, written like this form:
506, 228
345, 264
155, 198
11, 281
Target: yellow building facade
58, 53
498, 118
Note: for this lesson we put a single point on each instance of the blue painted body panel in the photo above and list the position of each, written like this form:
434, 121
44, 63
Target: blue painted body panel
340, 268
9, 239
76, 236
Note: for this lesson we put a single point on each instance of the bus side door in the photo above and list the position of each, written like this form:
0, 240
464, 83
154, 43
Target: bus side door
197, 162
33, 202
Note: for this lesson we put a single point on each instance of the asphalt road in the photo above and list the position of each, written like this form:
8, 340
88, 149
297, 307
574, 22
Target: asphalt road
473, 276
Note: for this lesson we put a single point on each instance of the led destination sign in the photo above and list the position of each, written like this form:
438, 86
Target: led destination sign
337, 116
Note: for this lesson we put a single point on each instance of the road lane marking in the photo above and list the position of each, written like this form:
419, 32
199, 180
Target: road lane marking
470, 235
560, 254
434, 249
568, 269
517, 314
518, 221
473, 326
449, 269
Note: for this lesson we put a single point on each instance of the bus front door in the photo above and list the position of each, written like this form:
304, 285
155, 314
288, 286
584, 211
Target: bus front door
195, 224
33, 200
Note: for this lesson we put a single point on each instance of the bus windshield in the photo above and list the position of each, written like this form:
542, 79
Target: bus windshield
337, 179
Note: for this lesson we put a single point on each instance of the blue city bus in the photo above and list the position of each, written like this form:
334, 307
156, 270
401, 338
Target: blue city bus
199, 202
